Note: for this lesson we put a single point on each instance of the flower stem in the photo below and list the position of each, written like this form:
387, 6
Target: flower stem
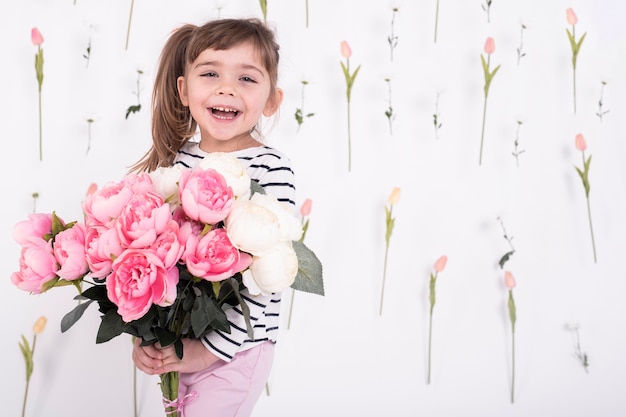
40, 129
430, 334
482, 133
574, 82
349, 141
436, 19
130, 19
307, 13
513, 366
382, 292
593, 241
32, 353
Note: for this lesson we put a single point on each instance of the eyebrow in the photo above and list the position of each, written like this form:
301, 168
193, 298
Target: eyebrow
219, 64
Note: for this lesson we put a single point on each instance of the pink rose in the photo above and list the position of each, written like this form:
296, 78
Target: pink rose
167, 246
205, 195
102, 245
37, 266
213, 257
142, 219
69, 250
138, 280
36, 227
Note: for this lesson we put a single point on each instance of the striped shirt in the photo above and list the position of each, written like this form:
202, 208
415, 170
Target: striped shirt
272, 170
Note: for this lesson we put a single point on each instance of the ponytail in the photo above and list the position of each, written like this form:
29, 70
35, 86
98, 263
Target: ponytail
172, 124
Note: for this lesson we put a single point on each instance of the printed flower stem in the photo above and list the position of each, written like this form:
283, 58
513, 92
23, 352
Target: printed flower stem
382, 291
509, 281
390, 222
436, 19
581, 145
346, 52
430, 336
306, 5
440, 264
263, 4
37, 40
572, 19
512, 355
130, 19
489, 49
593, 239
28, 351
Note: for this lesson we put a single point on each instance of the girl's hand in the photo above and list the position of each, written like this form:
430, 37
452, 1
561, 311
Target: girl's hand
155, 360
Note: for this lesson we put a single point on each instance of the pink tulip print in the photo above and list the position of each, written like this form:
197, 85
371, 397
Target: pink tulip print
305, 211
346, 52
37, 40
390, 222
581, 145
509, 282
572, 19
439, 266
489, 49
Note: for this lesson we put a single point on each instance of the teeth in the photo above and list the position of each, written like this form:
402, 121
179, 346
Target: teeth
225, 109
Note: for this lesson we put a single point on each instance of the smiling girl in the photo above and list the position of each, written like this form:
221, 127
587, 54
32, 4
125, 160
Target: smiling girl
217, 81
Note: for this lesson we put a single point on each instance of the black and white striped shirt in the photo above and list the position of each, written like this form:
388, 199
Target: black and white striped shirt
272, 170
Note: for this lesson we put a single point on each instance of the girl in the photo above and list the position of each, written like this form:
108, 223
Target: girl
220, 78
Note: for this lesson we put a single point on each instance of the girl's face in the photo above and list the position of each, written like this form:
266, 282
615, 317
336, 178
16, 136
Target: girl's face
227, 92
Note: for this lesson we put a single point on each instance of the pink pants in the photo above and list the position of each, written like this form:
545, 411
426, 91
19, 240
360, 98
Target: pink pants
228, 389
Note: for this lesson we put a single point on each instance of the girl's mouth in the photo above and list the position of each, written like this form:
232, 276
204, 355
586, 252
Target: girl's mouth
224, 113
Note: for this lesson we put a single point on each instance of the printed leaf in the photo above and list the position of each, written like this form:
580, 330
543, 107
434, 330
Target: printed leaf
309, 277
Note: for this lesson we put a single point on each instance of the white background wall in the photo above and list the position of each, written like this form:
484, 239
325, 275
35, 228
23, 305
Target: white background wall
340, 358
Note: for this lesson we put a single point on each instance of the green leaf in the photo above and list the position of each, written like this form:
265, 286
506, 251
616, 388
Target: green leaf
310, 272
164, 336
202, 313
432, 296
132, 109
73, 316
505, 258
28, 356
512, 310
244, 308
111, 326
256, 188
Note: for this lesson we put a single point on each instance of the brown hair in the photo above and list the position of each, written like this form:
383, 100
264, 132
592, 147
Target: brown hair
172, 124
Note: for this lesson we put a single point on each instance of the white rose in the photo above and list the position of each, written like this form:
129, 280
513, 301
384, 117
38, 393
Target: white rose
290, 227
165, 180
275, 271
233, 171
252, 228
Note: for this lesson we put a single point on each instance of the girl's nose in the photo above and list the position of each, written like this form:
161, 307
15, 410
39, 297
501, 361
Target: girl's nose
226, 88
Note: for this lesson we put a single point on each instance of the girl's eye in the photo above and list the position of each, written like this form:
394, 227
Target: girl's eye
247, 79
209, 74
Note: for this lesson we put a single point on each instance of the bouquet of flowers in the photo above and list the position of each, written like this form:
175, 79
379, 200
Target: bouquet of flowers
166, 253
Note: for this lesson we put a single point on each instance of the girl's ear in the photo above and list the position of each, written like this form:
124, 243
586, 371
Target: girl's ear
182, 90
273, 103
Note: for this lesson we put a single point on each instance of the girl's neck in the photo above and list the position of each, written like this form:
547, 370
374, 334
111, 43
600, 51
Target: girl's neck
232, 145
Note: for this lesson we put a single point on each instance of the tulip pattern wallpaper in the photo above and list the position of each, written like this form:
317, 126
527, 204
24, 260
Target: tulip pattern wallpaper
460, 174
